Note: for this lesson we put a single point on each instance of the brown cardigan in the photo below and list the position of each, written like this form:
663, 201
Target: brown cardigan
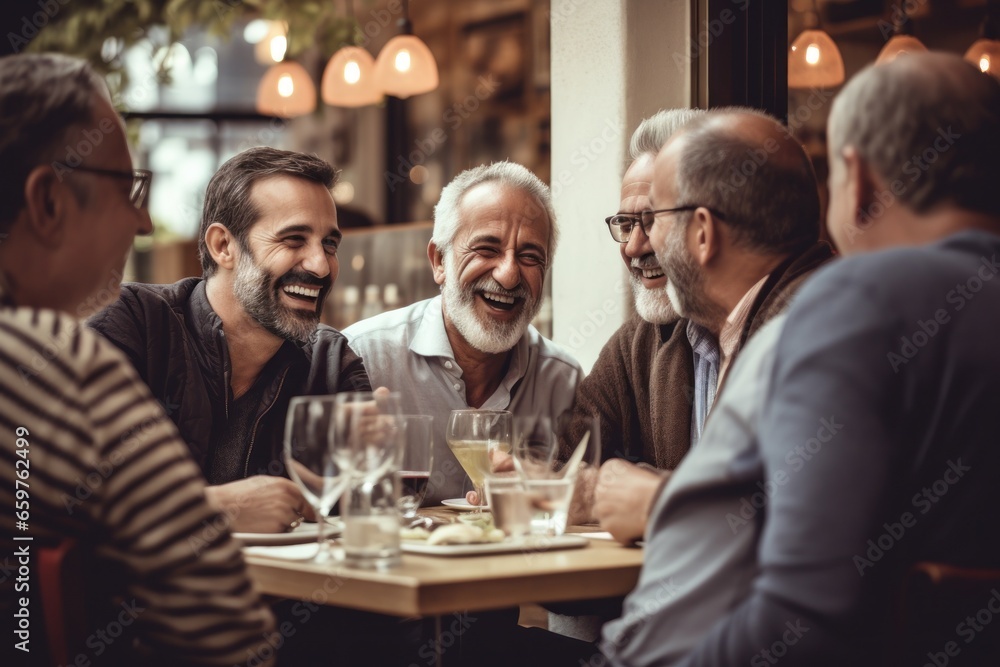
643, 381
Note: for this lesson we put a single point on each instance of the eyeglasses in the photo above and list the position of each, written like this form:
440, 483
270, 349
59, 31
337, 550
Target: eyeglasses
140, 182
622, 224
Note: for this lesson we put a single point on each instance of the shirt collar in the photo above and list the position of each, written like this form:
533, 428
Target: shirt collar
431, 340
729, 336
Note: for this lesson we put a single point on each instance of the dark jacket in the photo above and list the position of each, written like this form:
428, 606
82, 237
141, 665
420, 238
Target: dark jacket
643, 381
175, 340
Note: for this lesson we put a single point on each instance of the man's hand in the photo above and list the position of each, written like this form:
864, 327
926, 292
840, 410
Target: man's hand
260, 504
624, 495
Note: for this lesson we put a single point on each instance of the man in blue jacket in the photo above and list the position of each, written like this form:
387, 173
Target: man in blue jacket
857, 434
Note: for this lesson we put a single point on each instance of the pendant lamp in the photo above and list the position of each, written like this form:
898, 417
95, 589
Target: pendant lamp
405, 66
286, 91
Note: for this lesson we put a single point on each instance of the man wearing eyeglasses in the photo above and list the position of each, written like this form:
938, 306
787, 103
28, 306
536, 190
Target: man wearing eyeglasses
746, 192
89, 456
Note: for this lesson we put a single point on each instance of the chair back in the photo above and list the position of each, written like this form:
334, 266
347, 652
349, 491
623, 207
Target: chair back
947, 615
61, 577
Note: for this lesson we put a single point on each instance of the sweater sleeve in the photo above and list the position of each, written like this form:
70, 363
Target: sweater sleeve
605, 393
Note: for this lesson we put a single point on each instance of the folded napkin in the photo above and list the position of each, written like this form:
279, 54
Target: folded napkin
303, 552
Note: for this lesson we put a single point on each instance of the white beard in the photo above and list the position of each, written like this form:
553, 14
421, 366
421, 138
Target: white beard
653, 305
491, 337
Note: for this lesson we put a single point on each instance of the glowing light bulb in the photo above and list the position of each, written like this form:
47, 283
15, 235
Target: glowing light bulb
402, 61
812, 54
984, 64
279, 45
286, 86
352, 72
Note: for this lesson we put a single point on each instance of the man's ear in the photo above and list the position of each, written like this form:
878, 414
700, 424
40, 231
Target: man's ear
704, 236
861, 188
436, 258
46, 205
221, 245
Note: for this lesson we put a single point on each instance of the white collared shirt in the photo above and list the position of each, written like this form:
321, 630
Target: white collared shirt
407, 350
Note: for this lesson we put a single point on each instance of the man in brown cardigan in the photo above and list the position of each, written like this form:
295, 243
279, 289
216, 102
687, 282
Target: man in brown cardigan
744, 239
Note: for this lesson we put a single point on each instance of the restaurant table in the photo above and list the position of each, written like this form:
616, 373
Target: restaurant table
432, 586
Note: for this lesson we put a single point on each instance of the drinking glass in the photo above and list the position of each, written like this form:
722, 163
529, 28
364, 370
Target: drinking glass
479, 439
549, 472
369, 448
309, 456
417, 463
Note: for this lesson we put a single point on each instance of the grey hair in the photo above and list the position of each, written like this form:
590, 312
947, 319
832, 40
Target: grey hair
509, 174
770, 201
654, 131
39, 95
932, 139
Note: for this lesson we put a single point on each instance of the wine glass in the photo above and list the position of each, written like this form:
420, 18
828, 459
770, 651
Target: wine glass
417, 463
478, 438
369, 448
309, 456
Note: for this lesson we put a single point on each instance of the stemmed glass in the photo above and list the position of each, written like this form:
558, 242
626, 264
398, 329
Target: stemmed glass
369, 447
476, 437
309, 456
417, 463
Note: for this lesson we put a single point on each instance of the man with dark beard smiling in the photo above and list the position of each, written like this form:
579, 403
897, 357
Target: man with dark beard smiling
225, 353
473, 347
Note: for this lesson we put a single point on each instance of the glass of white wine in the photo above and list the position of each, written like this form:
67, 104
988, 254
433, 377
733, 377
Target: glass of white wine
479, 439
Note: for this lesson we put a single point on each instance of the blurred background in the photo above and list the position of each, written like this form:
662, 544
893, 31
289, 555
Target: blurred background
401, 96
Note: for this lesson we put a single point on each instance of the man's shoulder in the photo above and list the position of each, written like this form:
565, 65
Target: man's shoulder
40, 338
550, 351
146, 300
394, 326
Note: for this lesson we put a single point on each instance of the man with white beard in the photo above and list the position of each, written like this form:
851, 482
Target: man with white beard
639, 386
656, 380
473, 346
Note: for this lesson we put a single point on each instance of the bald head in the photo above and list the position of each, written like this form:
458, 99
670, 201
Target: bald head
743, 164
928, 126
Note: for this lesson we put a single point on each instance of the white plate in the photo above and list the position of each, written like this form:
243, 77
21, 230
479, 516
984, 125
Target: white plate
525, 545
307, 532
462, 505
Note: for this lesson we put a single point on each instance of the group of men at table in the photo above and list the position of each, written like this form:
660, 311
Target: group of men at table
847, 397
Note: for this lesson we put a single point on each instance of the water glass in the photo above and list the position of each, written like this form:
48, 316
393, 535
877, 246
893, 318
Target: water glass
369, 446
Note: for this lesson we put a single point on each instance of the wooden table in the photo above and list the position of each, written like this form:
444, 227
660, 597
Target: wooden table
433, 586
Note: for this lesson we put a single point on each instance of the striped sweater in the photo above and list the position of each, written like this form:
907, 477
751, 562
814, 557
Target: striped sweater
106, 466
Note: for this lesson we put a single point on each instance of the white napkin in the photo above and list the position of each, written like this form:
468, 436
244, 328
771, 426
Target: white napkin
303, 552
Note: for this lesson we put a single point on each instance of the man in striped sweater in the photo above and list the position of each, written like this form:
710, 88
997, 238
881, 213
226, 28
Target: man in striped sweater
88, 454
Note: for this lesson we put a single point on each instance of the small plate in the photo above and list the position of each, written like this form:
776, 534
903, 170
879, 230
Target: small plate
307, 532
525, 545
462, 505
